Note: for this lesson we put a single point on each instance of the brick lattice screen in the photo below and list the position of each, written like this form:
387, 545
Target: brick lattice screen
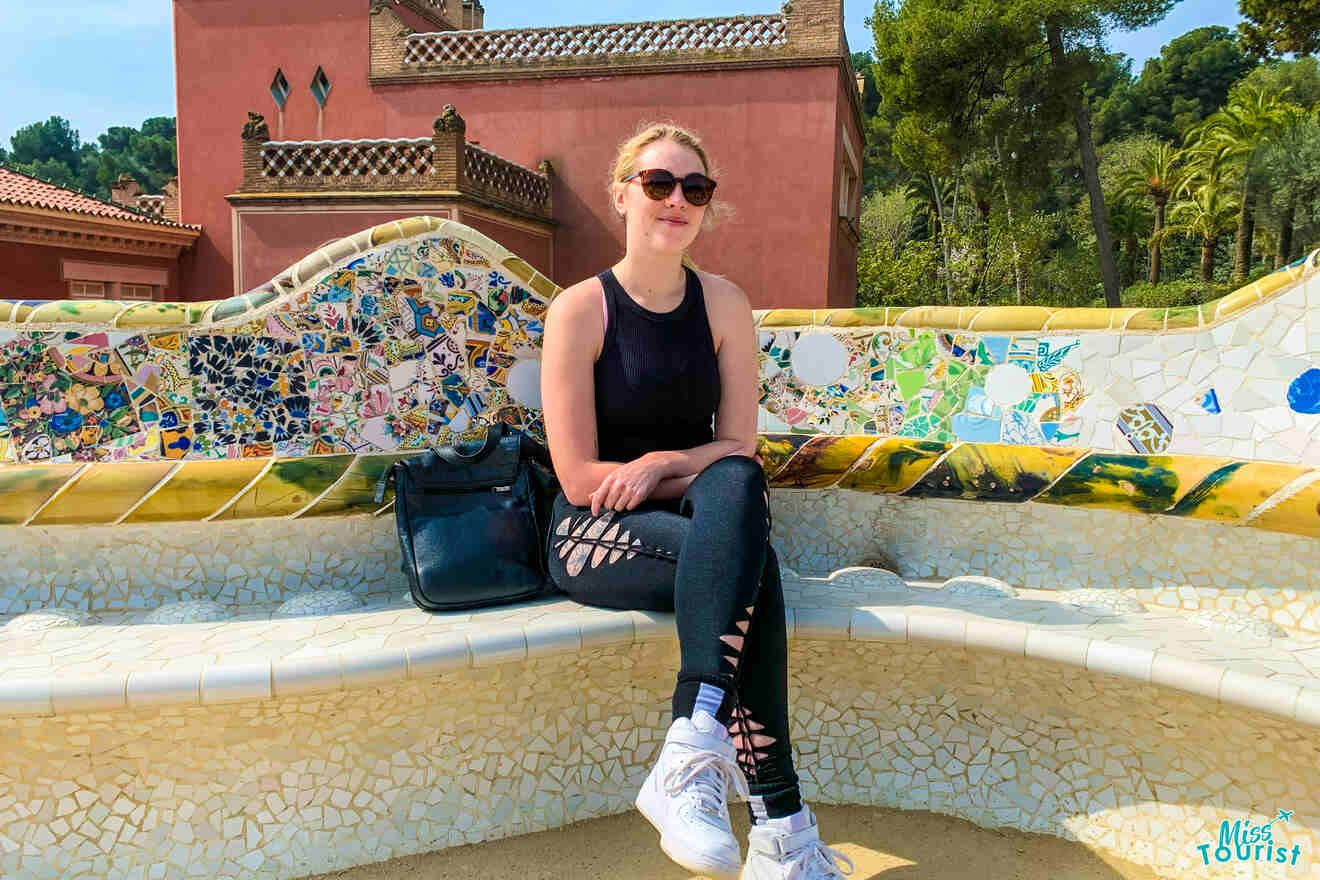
346, 158
578, 41
489, 172
153, 206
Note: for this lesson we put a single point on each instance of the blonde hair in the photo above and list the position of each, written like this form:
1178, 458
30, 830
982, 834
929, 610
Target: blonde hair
625, 163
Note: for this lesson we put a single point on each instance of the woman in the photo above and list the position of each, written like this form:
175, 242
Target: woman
661, 510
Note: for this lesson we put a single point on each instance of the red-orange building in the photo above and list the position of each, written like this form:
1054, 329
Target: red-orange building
350, 95
56, 243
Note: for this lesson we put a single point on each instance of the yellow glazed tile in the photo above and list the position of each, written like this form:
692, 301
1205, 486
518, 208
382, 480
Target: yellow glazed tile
1277, 282
776, 449
20, 313
385, 233
995, 472
1122, 316
81, 311
1146, 319
1298, 515
1080, 319
519, 268
786, 318
1182, 318
822, 460
893, 465
103, 492
1234, 490
932, 317
154, 315
415, 226
1010, 319
25, 487
289, 486
856, 317
1240, 299
356, 490
197, 490
543, 286
1142, 483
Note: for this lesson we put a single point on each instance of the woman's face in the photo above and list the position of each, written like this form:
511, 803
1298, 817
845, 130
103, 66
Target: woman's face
671, 224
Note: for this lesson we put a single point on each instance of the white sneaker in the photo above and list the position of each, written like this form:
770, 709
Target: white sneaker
684, 796
776, 854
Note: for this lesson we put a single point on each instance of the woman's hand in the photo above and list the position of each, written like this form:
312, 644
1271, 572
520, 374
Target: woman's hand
629, 484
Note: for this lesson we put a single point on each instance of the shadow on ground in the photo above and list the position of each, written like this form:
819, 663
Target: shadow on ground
885, 844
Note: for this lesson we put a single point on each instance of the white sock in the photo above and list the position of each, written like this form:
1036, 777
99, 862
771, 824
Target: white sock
791, 824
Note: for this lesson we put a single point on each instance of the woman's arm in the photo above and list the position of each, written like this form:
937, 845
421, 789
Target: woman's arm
574, 333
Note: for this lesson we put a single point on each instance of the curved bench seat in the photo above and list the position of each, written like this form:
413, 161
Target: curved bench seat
281, 747
119, 664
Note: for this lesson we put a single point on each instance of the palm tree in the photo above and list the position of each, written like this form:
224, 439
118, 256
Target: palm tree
1291, 164
1240, 129
1128, 219
1210, 213
1156, 176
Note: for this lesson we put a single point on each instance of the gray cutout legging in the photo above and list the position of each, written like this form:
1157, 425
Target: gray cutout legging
724, 589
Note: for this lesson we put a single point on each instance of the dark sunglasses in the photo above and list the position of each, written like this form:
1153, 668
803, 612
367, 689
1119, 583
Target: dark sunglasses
658, 183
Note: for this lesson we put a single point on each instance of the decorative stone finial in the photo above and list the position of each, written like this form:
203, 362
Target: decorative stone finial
255, 128
450, 121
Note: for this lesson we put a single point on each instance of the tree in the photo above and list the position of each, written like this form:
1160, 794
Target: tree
53, 139
1128, 220
1187, 82
1074, 30
1290, 164
1297, 82
1238, 132
1275, 27
53, 151
1210, 213
1155, 175
949, 63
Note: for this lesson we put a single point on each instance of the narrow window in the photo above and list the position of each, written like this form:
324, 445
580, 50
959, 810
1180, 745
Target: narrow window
279, 89
137, 291
86, 290
320, 86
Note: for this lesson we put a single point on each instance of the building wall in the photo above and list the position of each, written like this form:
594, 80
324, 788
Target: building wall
272, 239
771, 131
32, 271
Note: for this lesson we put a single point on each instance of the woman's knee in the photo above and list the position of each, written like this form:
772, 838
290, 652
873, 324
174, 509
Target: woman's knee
732, 476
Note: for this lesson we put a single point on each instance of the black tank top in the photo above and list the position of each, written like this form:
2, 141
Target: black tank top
657, 378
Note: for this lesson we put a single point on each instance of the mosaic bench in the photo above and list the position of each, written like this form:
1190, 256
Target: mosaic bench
286, 746
150, 447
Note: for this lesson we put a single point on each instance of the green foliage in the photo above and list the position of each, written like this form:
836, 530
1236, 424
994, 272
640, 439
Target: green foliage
53, 140
1188, 81
1274, 27
1168, 294
1297, 81
52, 150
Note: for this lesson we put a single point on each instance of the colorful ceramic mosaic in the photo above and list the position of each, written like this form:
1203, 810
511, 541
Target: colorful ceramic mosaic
401, 348
287, 400
924, 384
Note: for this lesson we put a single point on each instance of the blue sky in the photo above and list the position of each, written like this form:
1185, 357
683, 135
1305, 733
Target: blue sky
99, 63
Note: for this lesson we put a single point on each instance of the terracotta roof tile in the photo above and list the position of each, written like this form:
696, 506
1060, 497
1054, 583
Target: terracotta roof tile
17, 188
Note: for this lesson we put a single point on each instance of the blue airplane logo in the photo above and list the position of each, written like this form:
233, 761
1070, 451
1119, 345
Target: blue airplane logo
1285, 815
